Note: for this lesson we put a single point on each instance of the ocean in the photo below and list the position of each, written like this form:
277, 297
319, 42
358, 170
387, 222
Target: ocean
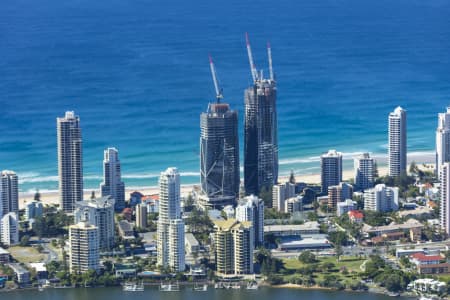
137, 74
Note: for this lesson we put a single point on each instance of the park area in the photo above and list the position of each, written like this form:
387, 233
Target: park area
26, 254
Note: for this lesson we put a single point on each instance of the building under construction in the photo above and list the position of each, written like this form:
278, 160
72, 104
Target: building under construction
219, 152
260, 130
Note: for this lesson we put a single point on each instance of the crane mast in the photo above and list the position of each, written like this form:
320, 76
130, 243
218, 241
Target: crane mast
250, 59
269, 54
219, 94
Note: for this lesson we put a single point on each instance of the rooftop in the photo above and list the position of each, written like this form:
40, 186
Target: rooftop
3, 251
410, 224
355, 214
302, 227
423, 257
39, 267
189, 237
226, 225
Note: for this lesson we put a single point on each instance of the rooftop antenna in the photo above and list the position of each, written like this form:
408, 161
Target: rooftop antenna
269, 54
250, 59
219, 94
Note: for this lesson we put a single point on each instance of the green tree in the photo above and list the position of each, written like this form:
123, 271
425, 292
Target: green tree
24, 240
307, 257
292, 177
266, 195
37, 195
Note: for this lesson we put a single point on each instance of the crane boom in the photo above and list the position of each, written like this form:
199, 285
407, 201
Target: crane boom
269, 54
214, 77
250, 58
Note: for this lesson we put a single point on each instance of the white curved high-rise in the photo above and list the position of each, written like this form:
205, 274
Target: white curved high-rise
397, 142
443, 139
170, 232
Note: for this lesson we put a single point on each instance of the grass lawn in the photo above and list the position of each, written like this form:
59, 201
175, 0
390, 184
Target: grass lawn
352, 264
26, 254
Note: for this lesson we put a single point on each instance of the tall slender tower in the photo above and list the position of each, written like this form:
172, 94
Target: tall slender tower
443, 139
397, 142
260, 131
112, 184
219, 152
170, 231
70, 161
444, 177
9, 193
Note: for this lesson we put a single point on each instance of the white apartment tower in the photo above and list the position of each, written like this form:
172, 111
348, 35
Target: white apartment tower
9, 229
381, 198
251, 209
397, 142
364, 169
331, 169
70, 161
84, 247
280, 193
98, 212
444, 217
443, 140
170, 232
112, 184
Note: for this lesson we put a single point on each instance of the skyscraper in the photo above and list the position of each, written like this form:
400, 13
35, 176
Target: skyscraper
331, 169
251, 209
112, 184
364, 171
98, 212
170, 231
260, 131
397, 142
443, 140
9, 193
444, 216
219, 155
84, 247
70, 161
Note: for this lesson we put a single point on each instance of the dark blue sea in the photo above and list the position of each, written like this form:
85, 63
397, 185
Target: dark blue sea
137, 74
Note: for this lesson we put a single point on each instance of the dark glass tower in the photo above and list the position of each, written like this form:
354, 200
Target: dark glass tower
260, 136
219, 155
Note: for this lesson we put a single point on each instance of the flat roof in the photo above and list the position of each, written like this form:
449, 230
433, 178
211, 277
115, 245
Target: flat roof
3, 251
191, 239
301, 227
39, 267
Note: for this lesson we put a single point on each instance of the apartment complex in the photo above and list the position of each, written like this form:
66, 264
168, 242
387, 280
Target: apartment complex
233, 244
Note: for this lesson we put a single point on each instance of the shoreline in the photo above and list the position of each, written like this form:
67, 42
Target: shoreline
52, 198
288, 286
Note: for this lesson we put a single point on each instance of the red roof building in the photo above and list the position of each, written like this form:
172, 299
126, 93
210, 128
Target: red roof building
355, 216
422, 259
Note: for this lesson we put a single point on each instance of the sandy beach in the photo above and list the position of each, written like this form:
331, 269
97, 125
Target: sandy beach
424, 162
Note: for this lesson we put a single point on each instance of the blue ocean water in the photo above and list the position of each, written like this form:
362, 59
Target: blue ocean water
137, 74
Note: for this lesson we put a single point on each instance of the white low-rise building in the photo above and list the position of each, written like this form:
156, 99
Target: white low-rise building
345, 206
